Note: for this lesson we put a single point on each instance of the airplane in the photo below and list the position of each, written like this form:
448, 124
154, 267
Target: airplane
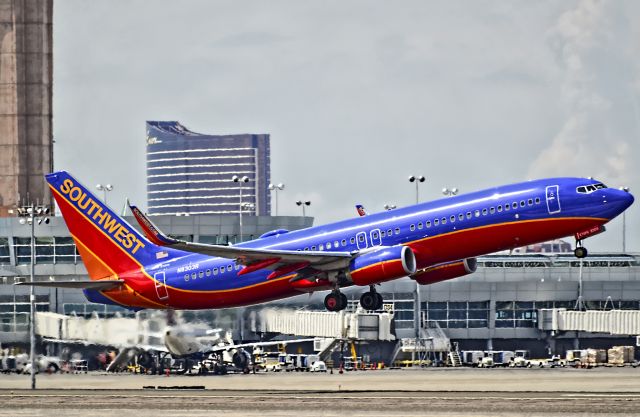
428, 242
196, 346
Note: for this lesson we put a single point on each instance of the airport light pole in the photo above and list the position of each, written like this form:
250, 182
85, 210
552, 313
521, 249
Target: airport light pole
417, 180
240, 181
104, 189
276, 187
450, 192
302, 204
416, 308
30, 215
624, 225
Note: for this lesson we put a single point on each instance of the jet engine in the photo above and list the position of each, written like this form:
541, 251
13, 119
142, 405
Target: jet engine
445, 271
382, 264
242, 360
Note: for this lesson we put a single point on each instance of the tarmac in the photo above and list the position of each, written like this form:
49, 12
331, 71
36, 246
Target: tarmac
406, 392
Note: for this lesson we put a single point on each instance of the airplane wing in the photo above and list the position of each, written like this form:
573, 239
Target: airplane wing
104, 284
259, 258
216, 349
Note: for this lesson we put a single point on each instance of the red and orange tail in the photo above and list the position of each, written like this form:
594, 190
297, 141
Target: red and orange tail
108, 245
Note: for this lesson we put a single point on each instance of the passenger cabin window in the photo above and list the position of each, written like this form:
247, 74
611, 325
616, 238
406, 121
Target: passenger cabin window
229, 268
484, 212
193, 275
500, 208
468, 214
412, 227
537, 200
514, 205
522, 204
215, 271
201, 274
361, 238
420, 225
208, 272
336, 244
344, 242
477, 213
383, 233
186, 277
321, 247
492, 210
389, 232
397, 230
352, 240
452, 219
436, 222
444, 220
461, 217
507, 207
313, 248
428, 223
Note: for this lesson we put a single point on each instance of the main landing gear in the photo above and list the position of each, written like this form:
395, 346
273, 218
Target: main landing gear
371, 300
335, 301
580, 251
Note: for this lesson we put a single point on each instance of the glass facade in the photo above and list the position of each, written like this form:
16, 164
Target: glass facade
458, 314
49, 250
191, 173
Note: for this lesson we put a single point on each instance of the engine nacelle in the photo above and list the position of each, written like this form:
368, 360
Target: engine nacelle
381, 265
445, 271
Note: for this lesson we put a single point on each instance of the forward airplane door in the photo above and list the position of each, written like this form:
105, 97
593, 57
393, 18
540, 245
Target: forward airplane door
553, 199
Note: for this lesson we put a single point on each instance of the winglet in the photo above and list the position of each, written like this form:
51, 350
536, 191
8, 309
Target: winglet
360, 209
149, 229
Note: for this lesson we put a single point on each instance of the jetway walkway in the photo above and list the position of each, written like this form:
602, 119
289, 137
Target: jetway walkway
615, 322
341, 325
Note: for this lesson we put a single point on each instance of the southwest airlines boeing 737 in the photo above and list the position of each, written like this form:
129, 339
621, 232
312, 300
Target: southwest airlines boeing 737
428, 242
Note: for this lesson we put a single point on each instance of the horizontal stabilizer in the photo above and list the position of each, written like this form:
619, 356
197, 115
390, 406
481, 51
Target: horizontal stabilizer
99, 285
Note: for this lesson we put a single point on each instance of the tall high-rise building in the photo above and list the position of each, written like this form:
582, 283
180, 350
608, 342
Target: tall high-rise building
191, 173
26, 63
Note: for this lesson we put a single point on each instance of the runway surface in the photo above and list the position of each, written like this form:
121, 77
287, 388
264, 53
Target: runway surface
438, 392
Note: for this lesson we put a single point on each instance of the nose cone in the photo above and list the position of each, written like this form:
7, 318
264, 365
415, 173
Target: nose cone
618, 201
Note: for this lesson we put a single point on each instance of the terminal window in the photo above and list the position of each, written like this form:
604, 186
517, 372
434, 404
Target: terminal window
458, 314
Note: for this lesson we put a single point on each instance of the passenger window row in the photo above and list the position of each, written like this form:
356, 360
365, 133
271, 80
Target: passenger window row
209, 272
477, 213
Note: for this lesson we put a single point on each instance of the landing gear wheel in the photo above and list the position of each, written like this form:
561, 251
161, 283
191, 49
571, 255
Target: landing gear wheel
379, 301
371, 300
368, 300
580, 252
335, 301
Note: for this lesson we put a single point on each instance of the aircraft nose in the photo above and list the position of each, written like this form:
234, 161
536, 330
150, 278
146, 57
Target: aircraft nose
620, 199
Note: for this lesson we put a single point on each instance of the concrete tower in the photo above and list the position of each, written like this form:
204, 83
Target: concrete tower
26, 71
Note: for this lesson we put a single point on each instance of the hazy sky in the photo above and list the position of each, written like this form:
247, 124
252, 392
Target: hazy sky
357, 95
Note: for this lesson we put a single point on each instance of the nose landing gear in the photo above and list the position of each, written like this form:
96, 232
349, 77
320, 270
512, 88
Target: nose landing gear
580, 251
371, 300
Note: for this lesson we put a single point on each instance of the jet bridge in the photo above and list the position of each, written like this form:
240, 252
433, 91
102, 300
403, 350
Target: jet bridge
615, 322
358, 325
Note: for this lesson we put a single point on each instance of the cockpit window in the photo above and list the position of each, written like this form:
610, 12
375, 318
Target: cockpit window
588, 189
